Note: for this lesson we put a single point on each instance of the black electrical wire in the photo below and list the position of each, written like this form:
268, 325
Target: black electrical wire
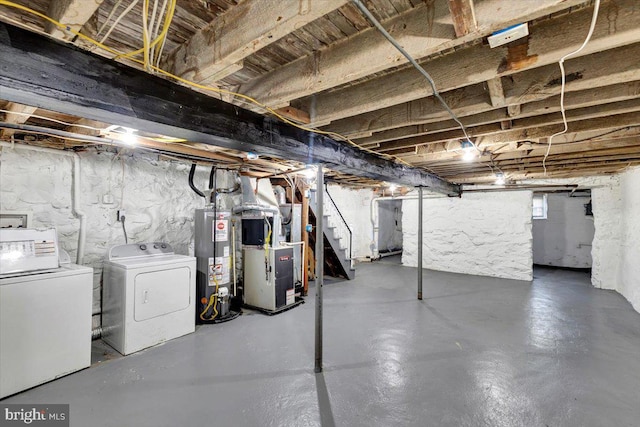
413, 62
418, 67
213, 184
212, 177
192, 173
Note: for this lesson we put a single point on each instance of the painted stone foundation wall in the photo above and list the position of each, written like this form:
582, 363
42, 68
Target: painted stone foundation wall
629, 276
486, 234
565, 237
155, 195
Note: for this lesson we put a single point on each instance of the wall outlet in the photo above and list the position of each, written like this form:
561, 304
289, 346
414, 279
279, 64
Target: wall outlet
508, 35
107, 199
120, 215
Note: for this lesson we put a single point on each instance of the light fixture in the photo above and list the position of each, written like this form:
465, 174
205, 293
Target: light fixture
392, 188
310, 172
469, 151
128, 137
499, 178
252, 156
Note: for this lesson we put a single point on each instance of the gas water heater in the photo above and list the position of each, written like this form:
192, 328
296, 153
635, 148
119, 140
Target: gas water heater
213, 252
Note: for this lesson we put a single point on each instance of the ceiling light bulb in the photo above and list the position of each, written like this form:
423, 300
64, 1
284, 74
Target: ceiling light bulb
500, 178
393, 187
252, 156
469, 154
310, 171
128, 137
469, 150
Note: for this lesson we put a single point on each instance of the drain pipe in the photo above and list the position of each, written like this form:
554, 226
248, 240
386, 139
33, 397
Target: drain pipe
81, 215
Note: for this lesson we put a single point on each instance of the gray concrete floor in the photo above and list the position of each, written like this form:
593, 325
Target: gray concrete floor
477, 351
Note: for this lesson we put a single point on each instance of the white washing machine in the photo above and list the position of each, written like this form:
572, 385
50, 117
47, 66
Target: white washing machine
45, 311
149, 296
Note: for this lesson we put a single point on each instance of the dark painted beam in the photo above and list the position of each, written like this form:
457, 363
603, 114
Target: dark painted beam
45, 73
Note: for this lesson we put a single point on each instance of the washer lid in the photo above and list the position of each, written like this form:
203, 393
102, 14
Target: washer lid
63, 271
150, 261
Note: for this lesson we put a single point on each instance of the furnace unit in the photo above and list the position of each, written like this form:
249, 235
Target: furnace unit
268, 278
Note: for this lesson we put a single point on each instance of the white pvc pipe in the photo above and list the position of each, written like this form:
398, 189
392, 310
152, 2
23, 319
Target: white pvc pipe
76, 190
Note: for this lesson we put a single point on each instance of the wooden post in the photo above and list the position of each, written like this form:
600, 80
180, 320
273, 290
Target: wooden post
305, 238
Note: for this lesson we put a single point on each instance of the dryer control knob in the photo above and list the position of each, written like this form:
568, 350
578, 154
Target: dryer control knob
143, 247
163, 246
155, 246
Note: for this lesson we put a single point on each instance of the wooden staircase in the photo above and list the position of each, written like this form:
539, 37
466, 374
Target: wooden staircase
338, 239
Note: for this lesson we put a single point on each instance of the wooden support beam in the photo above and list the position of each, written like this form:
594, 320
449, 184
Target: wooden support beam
87, 127
527, 159
305, 237
86, 85
587, 124
422, 31
463, 16
573, 100
552, 172
526, 128
496, 91
576, 130
294, 114
615, 67
514, 110
73, 13
242, 30
568, 148
577, 158
18, 114
559, 171
451, 71
516, 151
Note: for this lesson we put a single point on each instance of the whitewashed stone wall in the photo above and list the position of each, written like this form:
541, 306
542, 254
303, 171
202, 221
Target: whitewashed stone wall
486, 234
389, 225
606, 250
355, 207
629, 276
607, 207
565, 237
616, 248
155, 194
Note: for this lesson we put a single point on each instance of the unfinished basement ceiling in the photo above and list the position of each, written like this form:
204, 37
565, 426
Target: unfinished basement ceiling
323, 65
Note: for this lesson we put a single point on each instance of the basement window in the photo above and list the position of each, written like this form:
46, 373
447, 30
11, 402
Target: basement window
539, 206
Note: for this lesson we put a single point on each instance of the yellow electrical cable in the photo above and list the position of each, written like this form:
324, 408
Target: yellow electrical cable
266, 243
197, 85
206, 308
213, 301
58, 24
165, 30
